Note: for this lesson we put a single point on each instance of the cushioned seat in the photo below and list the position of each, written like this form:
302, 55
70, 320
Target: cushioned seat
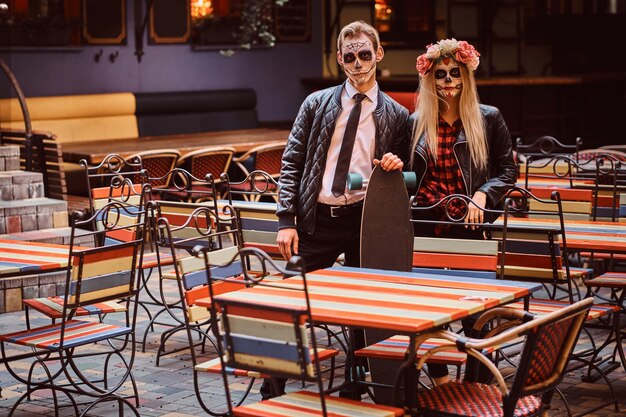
473, 399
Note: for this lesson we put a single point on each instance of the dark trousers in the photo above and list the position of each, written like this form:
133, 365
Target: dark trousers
332, 237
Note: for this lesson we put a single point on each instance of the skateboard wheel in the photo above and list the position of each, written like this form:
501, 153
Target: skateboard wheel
410, 179
354, 182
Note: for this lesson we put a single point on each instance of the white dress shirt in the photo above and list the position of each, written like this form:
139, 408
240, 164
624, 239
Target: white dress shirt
364, 146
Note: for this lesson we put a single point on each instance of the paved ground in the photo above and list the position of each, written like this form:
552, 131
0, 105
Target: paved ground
167, 390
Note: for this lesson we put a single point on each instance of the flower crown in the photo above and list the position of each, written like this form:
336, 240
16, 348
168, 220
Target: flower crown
461, 51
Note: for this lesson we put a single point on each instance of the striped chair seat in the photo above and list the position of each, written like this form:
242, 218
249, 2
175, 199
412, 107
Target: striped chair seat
598, 255
150, 260
77, 333
543, 307
214, 366
471, 399
304, 403
608, 280
576, 272
395, 348
53, 307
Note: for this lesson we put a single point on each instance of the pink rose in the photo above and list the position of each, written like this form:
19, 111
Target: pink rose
466, 54
423, 64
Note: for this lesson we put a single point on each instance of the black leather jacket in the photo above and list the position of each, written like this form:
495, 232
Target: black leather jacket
304, 159
501, 170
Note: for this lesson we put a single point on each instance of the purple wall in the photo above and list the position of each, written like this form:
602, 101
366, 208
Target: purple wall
274, 73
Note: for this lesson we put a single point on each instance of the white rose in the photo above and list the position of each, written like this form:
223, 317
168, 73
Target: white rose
448, 46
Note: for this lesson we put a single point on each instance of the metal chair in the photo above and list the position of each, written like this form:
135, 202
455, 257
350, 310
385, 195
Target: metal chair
57, 353
546, 146
204, 194
274, 339
549, 342
264, 159
211, 160
157, 163
120, 190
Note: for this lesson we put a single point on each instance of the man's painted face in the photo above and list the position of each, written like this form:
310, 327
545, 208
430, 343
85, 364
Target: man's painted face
358, 58
448, 78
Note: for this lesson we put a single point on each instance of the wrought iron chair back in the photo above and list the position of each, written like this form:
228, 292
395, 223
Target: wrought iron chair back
211, 160
546, 146
95, 277
281, 335
179, 227
478, 257
537, 251
157, 163
112, 170
259, 170
549, 342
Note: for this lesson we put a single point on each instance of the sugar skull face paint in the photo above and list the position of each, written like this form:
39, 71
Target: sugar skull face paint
448, 78
358, 59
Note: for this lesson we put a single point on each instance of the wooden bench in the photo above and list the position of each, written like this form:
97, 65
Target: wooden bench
46, 157
115, 116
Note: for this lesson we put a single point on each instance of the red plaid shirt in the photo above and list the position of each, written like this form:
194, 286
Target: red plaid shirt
443, 177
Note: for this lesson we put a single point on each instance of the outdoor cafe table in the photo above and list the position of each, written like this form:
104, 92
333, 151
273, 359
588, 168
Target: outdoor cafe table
24, 258
607, 237
242, 140
402, 302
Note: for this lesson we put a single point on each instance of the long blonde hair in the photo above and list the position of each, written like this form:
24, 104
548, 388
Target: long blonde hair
469, 109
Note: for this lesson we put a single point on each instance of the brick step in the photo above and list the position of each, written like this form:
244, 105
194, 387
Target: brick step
32, 214
9, 158
59, 235
20, 185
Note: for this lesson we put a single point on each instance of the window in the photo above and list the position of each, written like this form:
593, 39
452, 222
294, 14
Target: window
405, 23
41, 23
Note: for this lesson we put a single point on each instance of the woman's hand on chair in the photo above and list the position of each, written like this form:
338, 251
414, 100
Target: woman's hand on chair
475, 212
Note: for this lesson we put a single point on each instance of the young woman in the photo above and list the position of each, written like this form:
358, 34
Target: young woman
459, 146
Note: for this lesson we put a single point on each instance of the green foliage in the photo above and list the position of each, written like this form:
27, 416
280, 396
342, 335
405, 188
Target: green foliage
256, 24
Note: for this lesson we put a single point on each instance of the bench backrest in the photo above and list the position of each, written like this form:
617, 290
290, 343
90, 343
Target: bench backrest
179, 112
77, 117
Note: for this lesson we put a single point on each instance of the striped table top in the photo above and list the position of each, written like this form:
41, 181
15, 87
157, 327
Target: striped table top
580, 234
403, 302
20, 258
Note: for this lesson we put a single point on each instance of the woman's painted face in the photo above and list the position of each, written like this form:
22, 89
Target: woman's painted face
358, 59
448, 78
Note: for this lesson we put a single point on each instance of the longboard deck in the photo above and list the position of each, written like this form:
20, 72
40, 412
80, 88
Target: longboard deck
386, 230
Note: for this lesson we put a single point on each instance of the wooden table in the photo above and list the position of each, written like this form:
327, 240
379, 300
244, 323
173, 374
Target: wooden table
242, 140
607, 237
22, 258
400, 302
403, 302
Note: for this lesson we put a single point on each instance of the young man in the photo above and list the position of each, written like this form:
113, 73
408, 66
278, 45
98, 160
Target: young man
346, 128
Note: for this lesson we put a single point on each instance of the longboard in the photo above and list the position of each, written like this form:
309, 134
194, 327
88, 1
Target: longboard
386, 230
386, 243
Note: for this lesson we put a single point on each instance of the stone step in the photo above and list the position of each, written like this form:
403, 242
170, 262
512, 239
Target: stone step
59, 236
15, 289
9, 158
20, 185
32, 214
